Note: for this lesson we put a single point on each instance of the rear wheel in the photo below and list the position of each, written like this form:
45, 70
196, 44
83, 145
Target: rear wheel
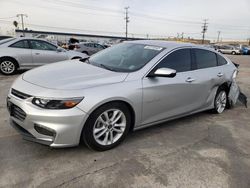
8, 66
107, 126
220, 101
234, 53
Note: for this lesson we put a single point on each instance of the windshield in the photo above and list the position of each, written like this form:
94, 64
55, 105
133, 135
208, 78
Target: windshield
125, 57
6, 40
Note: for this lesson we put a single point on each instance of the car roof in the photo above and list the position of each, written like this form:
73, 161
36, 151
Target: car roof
29, 38
163, 44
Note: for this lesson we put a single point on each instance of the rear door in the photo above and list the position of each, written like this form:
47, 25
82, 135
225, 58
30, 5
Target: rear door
169, 97
23, 53
44, 52
208, 75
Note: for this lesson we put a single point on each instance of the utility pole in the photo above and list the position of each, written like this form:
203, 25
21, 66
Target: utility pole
126, 21
182, 36
218, 38
22, 15
204, 30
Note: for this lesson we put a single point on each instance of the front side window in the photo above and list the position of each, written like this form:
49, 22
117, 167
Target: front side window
20, 44
179, 60
205, 58
125, 57
42, 45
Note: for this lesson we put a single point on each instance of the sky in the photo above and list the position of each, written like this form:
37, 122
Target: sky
152, 18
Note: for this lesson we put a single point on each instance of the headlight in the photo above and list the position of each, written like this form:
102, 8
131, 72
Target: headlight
56, 104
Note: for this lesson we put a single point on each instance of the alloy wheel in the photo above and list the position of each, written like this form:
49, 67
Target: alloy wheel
221, 101
109, 127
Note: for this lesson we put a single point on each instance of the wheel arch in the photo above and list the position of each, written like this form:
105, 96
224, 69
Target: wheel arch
76, 57
9, 57
85, 52
226, 86
128, 104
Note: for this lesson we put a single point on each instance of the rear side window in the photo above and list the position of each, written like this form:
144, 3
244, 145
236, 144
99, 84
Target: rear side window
221, 60
20, 44
205, 58
179, 60
42, 45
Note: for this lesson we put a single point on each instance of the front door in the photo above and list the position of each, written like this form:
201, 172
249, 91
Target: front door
168, 97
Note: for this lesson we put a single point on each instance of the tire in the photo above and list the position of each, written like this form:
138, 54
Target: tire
233, 53
8, 66
100, 133
220, 100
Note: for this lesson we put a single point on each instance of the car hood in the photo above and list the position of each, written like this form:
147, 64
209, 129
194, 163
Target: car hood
72, 75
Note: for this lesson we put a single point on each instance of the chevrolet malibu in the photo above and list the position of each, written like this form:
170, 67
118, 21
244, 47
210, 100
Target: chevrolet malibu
129, 86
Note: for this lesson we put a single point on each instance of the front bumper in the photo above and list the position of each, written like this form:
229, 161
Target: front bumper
56, 128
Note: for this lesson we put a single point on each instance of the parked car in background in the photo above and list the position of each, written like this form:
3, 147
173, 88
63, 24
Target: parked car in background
4, 37
26, 53
229, 50
88, 48
126, 87
245, 50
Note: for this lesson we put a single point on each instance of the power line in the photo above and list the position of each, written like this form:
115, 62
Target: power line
204, 30
126, 21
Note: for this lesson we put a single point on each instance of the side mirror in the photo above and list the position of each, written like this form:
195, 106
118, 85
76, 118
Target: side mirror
163, 72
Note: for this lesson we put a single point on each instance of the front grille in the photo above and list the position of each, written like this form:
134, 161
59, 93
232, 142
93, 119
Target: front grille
20, 94
17, 112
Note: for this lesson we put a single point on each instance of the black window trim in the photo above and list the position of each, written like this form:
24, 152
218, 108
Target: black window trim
153, 68
11, 45
195, 60
217, 55
29, 41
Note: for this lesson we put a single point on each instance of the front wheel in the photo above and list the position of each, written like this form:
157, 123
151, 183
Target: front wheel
107, 126
220, 101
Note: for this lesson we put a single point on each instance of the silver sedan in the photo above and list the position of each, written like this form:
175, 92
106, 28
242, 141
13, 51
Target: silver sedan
26, 53
129, 86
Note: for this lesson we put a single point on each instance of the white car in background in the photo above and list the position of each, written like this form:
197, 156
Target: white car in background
27, 53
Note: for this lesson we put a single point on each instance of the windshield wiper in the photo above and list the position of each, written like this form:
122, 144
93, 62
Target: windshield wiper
107, 67
86, 59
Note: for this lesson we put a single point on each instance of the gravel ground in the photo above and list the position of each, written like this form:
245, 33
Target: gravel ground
202, 150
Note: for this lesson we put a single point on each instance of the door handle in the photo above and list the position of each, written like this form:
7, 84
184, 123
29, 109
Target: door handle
189, 79
220, 74
37, 53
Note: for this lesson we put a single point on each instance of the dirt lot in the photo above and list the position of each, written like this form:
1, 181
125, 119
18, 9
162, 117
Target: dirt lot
203, 150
